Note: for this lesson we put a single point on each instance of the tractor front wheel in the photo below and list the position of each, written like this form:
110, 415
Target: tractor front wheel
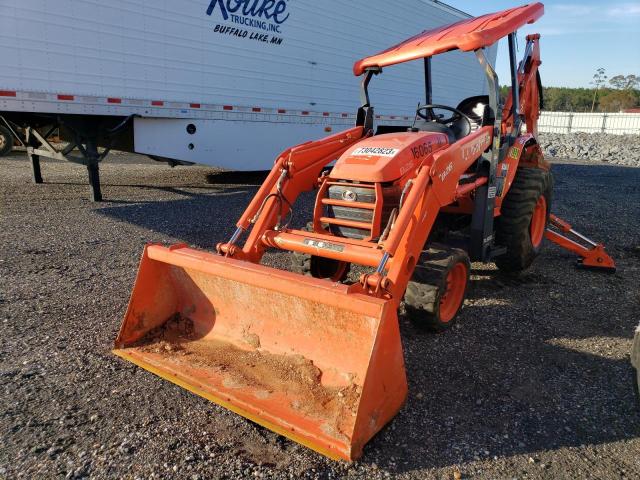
437, 288
319, 267
523, 219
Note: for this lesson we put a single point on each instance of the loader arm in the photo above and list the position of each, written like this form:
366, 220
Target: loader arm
295, 171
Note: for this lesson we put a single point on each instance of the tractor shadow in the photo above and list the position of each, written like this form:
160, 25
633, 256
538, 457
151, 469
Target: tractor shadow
200, 217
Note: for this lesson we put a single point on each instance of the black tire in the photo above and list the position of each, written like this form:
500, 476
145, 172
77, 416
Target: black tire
319, 267
424, 294
513, 226
6, 141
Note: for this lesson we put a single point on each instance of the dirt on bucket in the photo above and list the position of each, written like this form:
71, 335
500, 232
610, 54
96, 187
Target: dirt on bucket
257, 369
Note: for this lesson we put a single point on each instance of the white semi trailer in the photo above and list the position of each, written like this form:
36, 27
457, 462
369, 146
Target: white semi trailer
229, 83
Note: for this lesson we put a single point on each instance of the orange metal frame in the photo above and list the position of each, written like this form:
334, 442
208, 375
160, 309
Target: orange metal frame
321, 200
435, 185
591, 256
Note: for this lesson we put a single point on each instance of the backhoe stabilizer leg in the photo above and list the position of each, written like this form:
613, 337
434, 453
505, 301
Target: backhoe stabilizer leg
592, 256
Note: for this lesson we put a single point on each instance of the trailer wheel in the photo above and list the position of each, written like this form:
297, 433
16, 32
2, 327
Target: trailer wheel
6, 141
436, 291
523, 220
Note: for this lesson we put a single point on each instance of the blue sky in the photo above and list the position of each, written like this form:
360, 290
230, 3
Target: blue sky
577, 38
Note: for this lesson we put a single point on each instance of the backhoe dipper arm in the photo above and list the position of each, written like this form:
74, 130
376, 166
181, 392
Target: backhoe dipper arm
530, 89
591, 256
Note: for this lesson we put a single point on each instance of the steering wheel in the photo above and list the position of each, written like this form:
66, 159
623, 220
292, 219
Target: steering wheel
426, 113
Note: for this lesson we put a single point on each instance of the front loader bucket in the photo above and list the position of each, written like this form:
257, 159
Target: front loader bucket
300, 356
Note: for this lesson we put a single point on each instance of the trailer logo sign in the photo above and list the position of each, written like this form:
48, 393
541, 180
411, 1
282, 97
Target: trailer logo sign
265, 15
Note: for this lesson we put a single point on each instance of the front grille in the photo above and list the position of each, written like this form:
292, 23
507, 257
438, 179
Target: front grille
360, 195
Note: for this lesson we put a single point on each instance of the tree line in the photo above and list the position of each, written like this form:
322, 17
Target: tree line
619, 93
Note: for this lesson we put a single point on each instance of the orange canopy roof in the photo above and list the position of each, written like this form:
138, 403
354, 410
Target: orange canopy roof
466, 35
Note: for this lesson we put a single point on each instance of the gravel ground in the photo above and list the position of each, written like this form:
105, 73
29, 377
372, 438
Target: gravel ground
593, 147
534, 381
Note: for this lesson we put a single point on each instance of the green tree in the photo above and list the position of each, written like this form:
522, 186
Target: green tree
622, 82
564, 99
617, 100
567, 99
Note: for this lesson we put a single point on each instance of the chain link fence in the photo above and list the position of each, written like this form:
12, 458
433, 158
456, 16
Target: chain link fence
570, 122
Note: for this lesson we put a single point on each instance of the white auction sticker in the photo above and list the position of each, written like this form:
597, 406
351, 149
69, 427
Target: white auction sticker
375, 151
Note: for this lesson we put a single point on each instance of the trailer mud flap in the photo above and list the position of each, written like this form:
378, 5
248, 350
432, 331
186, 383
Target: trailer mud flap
301, 356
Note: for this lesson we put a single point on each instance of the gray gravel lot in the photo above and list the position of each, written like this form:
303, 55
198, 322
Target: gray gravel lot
593, 147
533, 382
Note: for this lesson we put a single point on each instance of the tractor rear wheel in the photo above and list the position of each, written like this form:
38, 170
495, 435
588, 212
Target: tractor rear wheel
6, 141
437, 288
523, 219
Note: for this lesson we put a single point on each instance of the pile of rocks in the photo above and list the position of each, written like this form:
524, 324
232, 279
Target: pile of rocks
598, 147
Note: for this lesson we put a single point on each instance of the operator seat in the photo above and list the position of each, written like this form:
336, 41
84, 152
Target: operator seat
474, 108
425, 126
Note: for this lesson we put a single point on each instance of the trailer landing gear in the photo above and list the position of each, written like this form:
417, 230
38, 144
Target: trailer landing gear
89, 151
35, 167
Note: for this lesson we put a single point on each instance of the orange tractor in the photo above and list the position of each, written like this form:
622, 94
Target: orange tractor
315, 354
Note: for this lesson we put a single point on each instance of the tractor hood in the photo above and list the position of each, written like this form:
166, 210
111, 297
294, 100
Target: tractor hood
387, 157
